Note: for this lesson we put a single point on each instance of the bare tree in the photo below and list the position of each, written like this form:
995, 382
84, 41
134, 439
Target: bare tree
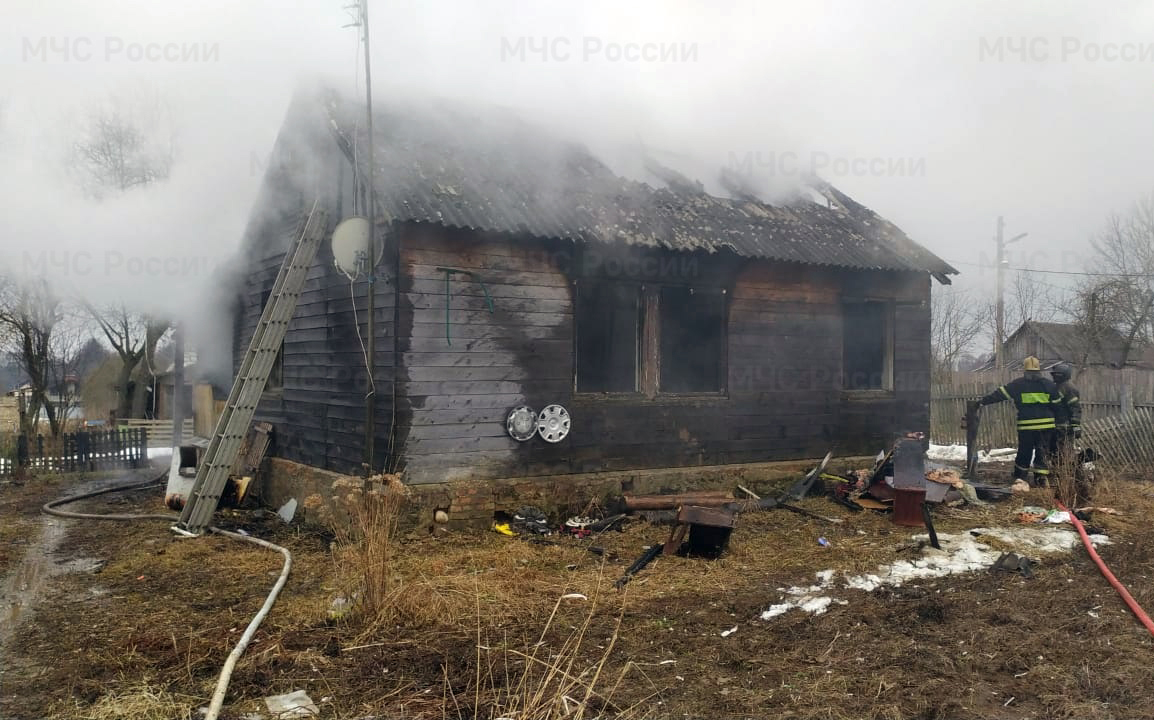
134, 337
125, 142
1121, 298
956, 324
29, 314
67, 353
1027, 299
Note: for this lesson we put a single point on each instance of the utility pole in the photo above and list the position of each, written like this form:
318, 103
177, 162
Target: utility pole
371, 329
178, 408
1000, 306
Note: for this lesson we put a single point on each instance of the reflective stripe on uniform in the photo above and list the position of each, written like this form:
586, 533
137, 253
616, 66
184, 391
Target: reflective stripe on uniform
1039, 424
1035, 398
1041, 471
1072, 400
1037, 421
1006, 393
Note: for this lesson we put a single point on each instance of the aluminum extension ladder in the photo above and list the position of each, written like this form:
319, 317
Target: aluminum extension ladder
213, 470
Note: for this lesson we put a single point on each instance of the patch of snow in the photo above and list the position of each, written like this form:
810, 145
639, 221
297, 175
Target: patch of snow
775, 610
159, 452
957, 453
816, 605
960, 553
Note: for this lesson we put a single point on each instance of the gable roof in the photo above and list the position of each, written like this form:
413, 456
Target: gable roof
1072, 343
490, 171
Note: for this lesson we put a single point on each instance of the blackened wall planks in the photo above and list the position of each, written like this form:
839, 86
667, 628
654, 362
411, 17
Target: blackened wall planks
461, 367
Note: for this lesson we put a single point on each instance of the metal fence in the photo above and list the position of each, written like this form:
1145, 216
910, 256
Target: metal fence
76, 452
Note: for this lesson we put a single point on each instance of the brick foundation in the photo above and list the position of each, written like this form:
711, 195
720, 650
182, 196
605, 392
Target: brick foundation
471, 504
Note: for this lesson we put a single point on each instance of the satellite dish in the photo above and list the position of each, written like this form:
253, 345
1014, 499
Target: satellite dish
351, 247
553, 423
521, 423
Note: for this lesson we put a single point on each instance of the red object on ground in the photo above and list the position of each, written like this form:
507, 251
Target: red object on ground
908, 507
1126, 596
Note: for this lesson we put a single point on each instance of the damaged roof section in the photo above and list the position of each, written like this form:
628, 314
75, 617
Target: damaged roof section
491, 171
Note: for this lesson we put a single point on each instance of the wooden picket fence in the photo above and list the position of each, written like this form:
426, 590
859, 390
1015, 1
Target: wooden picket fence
160, 431
1117, 414
84, 451
1124, 441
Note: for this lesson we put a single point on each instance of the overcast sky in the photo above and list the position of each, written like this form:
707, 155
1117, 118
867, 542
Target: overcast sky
938, 115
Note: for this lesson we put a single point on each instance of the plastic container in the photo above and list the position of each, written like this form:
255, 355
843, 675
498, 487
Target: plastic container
908, 507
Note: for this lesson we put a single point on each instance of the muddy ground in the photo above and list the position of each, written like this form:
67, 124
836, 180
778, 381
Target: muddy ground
137, 622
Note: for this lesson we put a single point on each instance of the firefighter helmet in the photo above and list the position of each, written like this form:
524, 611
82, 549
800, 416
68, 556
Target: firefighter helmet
1061, 372
1031, 363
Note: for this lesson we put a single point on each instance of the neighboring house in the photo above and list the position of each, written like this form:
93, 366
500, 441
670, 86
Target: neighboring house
102, 390
1053, 343
9, 414
678, 328
67, 393
199, 398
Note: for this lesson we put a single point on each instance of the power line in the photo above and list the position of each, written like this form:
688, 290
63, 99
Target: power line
1088, 274
1060, 272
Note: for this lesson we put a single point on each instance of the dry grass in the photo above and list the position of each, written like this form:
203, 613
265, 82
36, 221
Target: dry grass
364, 521
139, 702
475, 628
538, 684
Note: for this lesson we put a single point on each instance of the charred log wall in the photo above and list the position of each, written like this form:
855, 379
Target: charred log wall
784, 395
318, 410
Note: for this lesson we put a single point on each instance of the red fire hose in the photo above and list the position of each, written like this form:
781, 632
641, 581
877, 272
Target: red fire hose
1126, 596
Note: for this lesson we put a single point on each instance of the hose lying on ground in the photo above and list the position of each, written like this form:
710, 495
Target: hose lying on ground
50, 507
226, 671
1126, 596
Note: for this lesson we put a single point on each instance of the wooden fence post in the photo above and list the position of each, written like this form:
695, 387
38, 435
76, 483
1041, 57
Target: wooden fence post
22, 457
141, 447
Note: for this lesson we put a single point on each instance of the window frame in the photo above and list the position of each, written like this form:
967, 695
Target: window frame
649, 346
642, 315
888, 319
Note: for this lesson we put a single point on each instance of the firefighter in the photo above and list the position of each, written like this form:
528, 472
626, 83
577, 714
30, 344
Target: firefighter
1068, 426
1035, 396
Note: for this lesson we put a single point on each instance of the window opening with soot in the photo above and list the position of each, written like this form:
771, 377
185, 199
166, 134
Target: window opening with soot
652, 339
867, 338
608, 327
692, 340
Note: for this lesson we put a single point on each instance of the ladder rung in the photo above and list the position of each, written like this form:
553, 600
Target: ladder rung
233, 424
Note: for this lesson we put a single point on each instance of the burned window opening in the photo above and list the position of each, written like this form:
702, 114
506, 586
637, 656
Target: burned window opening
867, 341
275, 382
608, 331
653, 339
692, 329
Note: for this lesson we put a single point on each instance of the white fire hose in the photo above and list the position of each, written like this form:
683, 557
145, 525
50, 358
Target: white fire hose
229, 664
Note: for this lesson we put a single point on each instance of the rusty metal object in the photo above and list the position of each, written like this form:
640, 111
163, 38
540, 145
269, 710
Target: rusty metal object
708, 528
710, 498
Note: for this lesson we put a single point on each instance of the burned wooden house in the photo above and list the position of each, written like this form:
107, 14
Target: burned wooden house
677, 328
